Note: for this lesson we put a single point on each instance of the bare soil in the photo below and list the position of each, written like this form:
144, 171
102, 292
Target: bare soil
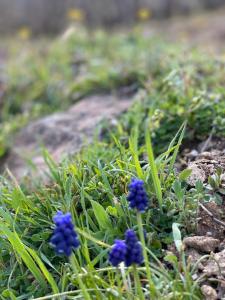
206, 30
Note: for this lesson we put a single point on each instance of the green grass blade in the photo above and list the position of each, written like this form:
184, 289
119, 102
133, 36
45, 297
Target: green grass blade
133, 145
44, 270
21, 250
105, 180
91, 238
174, 156
154, 171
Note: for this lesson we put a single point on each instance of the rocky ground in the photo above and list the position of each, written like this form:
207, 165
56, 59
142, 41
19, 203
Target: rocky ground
62, 134
206, 249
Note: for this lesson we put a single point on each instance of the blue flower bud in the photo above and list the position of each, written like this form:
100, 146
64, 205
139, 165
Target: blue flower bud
117, 253
64, 237
137, 196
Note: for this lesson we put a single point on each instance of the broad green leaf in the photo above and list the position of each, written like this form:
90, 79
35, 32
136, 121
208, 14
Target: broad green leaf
177, 236
171, 258
101, 215
185, 174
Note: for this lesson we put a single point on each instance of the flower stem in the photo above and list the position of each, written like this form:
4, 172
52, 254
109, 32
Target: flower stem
75, 267
118, 284
139, 290
126, 282
148, 270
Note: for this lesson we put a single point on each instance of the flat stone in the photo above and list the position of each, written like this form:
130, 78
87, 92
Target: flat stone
201, 243
216, 265
62, 134
209, 292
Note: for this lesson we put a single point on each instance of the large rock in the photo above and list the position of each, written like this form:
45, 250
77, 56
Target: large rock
61, 133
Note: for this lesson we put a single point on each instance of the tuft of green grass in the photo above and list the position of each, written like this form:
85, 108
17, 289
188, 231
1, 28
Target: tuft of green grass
95, 194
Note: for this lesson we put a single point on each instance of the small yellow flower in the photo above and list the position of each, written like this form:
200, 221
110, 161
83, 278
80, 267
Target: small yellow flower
144, 14
24, 33
76, 14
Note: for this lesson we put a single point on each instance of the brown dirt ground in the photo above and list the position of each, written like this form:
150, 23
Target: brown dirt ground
206, 30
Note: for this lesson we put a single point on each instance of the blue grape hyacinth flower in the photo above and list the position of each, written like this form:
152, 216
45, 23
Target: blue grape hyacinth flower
137, 196
64, 237
134, 249
117, 253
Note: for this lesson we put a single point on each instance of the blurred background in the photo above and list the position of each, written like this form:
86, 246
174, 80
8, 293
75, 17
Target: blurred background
52, 16
55, 53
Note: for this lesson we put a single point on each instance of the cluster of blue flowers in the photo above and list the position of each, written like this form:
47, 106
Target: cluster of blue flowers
128, 251
137, 196
64, 237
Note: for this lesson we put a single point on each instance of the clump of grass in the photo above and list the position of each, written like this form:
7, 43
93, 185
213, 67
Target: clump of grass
95, 193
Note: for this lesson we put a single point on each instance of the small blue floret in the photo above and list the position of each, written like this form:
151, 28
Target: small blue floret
137, 196
134, 249
64, 237
118, 253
